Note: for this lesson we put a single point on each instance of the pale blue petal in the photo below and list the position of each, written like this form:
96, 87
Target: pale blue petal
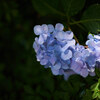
90, 43
66, 56
97, 37
59, 27
36, 46
92, 74
43, 61
50, 28
90, 36
57, 66
52, 59
57, 50
54, 71
68, 61
45, 36
41, 39
45, 28
68, 73
98, 44
38, 30
97, 50
85, 53
60, 36
98, 63
69, 35
63, 49
77, 66
65, 66
61, 71
77, 54
39, 57
91, 60
71, 42
84, 72
79, 47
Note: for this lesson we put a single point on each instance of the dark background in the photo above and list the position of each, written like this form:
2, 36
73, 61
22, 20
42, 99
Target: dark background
21, 76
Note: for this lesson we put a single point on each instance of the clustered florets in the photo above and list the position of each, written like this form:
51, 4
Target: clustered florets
56, 49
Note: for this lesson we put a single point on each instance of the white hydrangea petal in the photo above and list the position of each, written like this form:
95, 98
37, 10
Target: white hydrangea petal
97, 36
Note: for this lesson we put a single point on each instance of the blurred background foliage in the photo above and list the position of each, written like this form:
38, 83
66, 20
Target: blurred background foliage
21, 76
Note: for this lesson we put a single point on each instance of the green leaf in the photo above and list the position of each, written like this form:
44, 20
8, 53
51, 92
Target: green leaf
45, 7
28, 89
72, 7
99, 94
96, 90
61, 7
95, 95
91, 18
97, 71
94, 87
99, 80
88, 95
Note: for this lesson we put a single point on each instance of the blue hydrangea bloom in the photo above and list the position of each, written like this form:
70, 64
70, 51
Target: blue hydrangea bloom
56, 49
78, 64
94, 46
83, 61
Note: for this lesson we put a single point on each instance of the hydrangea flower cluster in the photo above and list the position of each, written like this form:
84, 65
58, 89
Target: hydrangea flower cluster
56, 49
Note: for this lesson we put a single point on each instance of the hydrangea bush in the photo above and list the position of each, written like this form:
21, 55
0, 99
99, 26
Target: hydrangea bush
58, 50
63, 48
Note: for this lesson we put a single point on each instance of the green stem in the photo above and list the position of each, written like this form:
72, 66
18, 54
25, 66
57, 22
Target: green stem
74, 35
84, 21
76, 39
79, 25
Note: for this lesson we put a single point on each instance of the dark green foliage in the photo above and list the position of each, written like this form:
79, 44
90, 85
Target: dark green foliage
92, 15
60, 7
21, 76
